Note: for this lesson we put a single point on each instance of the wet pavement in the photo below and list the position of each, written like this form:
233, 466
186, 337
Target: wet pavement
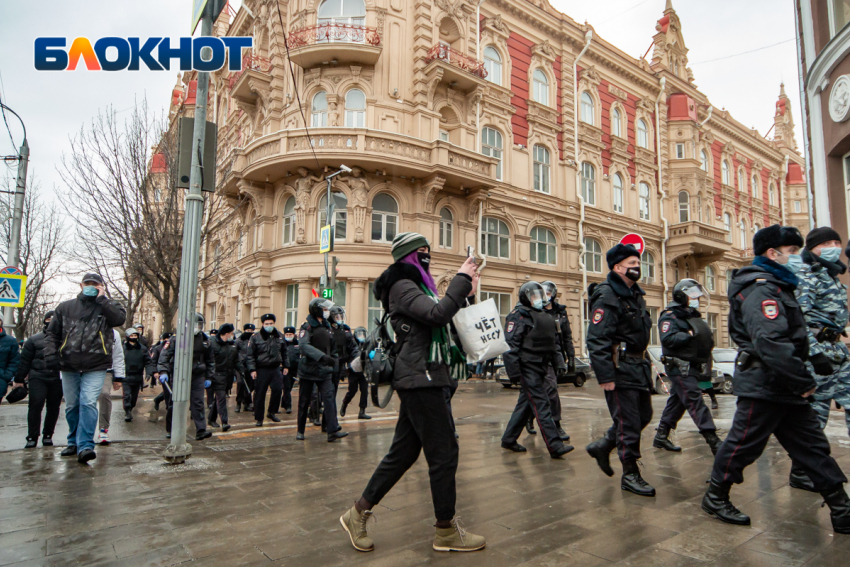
257, 496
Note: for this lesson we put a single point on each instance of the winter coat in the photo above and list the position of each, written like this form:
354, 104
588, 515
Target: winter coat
226, 358
399, 291
316, 341
346, 346
266, 350
293, 352
10, 357
79, 337
137, 361
566, 333
203, 363
242, 352
32, 361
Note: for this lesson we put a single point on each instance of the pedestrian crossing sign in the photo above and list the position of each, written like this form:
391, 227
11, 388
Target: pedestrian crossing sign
326, 240
13, 290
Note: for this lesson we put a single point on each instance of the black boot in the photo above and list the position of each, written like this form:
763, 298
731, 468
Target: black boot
633, 482
561, 433
716, 503
127, 415
273, 417
238, 408
601, 451
662, 439
515, 447
799, 478
47, 441
342, 409
713, 441
530, 426
362, 414
839, 508
31, 443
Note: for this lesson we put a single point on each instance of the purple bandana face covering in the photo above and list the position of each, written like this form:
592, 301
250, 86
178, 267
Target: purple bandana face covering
413, 260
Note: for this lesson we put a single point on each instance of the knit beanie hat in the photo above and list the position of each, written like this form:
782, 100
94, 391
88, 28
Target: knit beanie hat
407, 242
820, 235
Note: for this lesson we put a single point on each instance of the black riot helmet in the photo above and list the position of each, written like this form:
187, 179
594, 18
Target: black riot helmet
551, 290
361, 334
318, 306
337, 315
532, 294
686, 290
200, 323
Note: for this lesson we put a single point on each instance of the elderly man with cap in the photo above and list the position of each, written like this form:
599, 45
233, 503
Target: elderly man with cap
617, 337
265, 355
79, 341
772, 381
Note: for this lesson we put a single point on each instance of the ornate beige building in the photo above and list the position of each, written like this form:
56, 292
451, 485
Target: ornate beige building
503, 125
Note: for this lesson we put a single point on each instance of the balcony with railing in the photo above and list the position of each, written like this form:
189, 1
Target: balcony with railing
698, 239
332, 42
255, 75
450, 66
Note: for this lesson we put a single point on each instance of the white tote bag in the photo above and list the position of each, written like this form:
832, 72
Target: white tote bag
479, 328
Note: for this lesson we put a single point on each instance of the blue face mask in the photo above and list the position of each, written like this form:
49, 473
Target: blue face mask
268, 328
830, 254
537, 304
795, 262
289, 339
90, 291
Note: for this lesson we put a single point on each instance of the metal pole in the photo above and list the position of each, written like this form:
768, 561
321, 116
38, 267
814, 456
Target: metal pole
328, 213
15, 238
179, 450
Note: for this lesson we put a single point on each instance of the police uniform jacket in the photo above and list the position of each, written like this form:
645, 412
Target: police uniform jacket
559, 312
226, 358
823, 299
686, 340
293, 353
316, 340
533, 337
203, 363
242, 352
618, 316
346, 345
266, 350
766, 323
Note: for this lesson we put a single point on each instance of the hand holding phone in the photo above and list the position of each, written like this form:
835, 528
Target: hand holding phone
470, 252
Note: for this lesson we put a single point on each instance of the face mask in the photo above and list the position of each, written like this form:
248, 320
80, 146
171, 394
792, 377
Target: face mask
795, 262
90, 291
268, 328
132, 340
693, 303
361, 339
424, 260
326, 314
830, 254
537, 304
633, 274
288, 339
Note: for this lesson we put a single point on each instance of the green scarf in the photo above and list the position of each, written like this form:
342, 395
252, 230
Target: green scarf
442, 350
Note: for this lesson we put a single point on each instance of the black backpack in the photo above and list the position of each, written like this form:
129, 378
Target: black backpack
383, 350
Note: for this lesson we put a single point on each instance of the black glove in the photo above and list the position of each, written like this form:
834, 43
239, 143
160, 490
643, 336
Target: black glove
327, 360
821, 364
571, 365
561, 372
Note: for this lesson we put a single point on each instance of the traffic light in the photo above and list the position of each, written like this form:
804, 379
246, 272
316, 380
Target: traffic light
334, 272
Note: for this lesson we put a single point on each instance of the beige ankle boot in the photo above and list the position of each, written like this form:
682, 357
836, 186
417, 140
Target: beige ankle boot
354, 523
456, 538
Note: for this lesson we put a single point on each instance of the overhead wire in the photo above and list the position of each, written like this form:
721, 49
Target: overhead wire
744, 52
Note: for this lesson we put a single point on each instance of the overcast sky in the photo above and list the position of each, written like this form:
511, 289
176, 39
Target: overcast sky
55, 105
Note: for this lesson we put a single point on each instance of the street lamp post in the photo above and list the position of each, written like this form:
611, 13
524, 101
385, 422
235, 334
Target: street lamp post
17, 215
330, 211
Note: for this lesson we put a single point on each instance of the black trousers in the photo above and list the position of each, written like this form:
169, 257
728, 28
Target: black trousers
449, 393
797, 429
243, 392
217, 402
326, 393
288, 382
41, 392
631, 411
552, 392
686, 396
357, 380
196, 403
533, 401
335, 380
267, 377
423, 425
168, 398
130, 392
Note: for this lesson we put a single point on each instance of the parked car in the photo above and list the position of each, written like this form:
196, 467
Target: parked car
724, 364
582, 374
662, 383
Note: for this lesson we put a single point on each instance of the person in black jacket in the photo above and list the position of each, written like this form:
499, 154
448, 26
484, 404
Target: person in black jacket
226, 357
426, 363
137, 361
155, 351
78, 342
617, 338
245, 384
317, 366
203, 371
44, 386
772, 382
293, 353
686, 344
564, 345
266, 355
347, 348
356, 377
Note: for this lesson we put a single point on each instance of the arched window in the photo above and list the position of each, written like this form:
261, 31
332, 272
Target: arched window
542, 246
616, 123
592, 255
541, 169
289, 221
340, 214
684, 206
645, 202
743, 227
446, 228
588, 183
491, 145
642, 134
587, 113
617, 197
742, 186
710, 279
727, 224
493, 65
351, 12
647, 267
703, 161
384, 218
754, 185
495, 238
771, 195
725, 174
541, 87
355, 109
319, 110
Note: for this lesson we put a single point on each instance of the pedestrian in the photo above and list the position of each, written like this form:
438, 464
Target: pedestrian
266, 355
686, 344
564, 345
317, 367
137, 361
10, 359
112, 382
532, 336
203, 371
293, 353
45, 387
156, 350
356, 377
772, 381
77, 342
424, 366
616, 341
226, 358
347, 348
143, 340
245, 385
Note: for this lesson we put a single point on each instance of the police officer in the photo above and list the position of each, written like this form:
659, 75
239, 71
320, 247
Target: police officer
317, 366
293, 353
356, 377
347, 348
616, 341
772, 381
137, 361
686, 343
265, 355
532, 336
156, 350
226, 358
203, 370
565, 345
245, 385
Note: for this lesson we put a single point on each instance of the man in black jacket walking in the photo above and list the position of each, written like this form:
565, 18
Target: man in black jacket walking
245, 385
226, 357
44, 386
293, 353
265, 355
78, 341
137, 361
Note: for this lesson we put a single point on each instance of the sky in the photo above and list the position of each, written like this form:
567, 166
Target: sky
55, 105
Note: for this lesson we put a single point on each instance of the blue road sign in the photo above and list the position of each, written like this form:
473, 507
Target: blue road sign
13, 290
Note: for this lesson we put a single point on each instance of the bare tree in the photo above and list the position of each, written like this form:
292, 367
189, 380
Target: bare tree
121, 191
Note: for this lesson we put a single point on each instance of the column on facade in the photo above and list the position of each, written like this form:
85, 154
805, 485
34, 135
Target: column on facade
358, 303
304, 297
